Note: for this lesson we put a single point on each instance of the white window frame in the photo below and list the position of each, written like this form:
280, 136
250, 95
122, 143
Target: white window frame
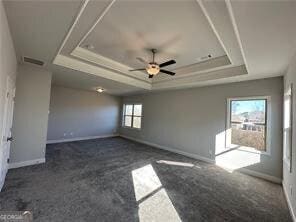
228, 144
132, 116
288, 130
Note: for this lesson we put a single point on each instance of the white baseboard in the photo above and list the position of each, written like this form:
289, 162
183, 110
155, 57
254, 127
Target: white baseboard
194, 156
80, 138
293, 214
205, 159
26, 163
260, 175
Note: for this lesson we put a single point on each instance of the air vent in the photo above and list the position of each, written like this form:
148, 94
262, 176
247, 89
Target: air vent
33, 61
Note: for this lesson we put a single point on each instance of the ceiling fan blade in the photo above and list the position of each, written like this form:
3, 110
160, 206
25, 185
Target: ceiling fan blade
170, 62
133, 70
167, 72
142, 60
150, 76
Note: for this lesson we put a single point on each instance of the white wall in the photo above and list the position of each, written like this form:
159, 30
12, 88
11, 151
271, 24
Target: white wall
81, 114
289, 178
193, 121
8, 62
30, 115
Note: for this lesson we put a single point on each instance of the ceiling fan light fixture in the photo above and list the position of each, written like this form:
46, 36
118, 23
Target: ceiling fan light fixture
153, 69
100, 90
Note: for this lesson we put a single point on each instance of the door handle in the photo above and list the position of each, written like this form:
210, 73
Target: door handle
9, 139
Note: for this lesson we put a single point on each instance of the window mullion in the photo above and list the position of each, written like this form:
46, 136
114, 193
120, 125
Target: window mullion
132, 126
123, 122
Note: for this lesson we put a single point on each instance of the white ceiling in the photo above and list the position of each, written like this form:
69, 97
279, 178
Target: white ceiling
79, 80
268, 34
247, 39
38, 27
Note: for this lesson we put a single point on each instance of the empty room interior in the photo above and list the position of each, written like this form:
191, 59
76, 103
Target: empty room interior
148, 111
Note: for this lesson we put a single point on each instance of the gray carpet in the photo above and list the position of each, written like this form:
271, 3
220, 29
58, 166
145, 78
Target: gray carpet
116, 179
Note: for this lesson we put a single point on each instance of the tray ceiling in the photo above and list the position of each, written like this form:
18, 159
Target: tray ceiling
120, 31
104, 38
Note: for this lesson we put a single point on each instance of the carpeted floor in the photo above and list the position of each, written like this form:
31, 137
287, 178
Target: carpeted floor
116, 179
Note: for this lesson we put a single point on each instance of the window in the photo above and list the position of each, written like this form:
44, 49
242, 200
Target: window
288, 127
247, 123
132, 115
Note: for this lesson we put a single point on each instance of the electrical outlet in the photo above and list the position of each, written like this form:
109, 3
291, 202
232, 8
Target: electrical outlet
65, 134
71, 134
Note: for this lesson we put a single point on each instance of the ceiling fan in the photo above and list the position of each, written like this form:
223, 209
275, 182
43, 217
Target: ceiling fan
153, 68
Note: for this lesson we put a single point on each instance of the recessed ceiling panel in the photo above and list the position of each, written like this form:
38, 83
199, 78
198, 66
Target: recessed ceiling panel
178, 29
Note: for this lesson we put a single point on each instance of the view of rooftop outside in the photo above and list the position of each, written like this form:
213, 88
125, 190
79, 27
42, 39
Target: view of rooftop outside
248, 123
